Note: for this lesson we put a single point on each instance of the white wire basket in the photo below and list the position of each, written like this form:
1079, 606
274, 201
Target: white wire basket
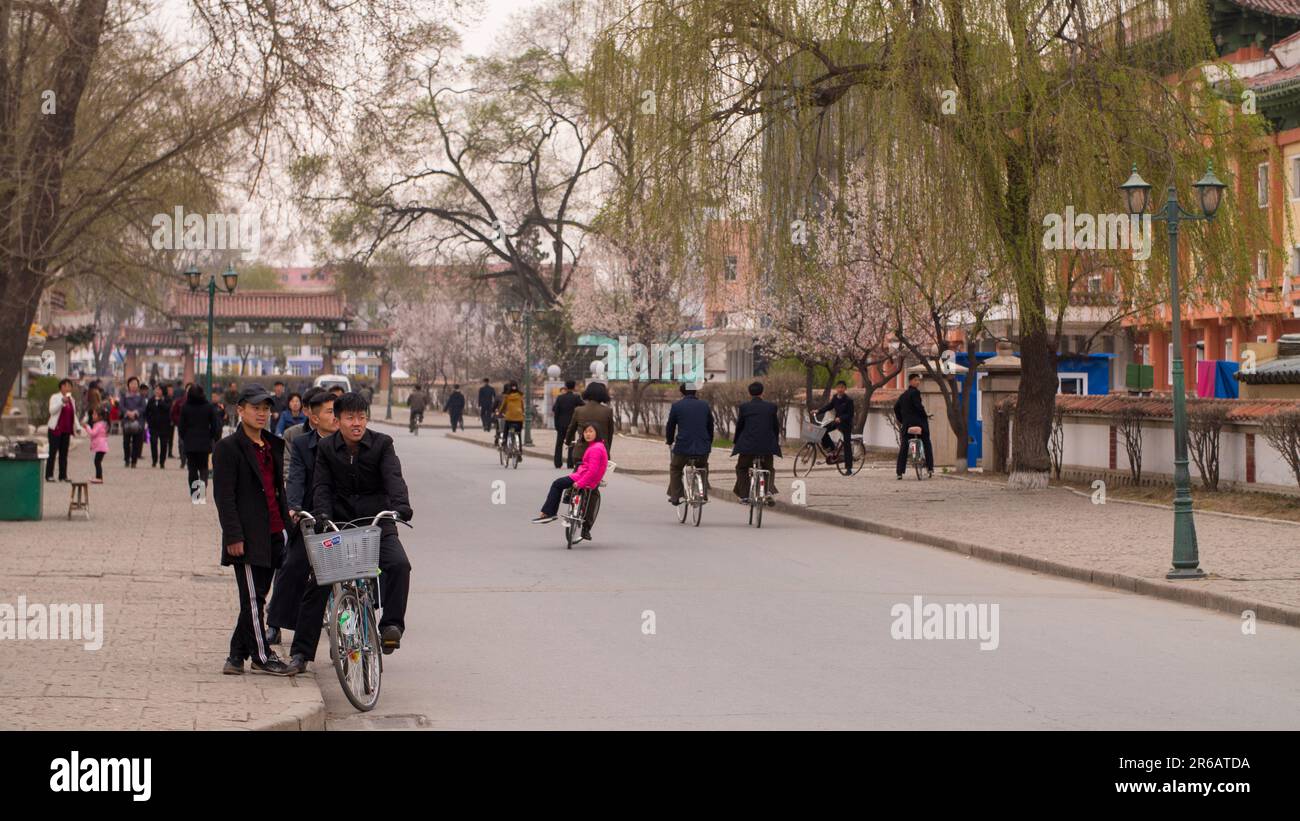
342, 555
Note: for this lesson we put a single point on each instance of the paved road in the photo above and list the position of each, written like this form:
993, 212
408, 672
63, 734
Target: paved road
787, 627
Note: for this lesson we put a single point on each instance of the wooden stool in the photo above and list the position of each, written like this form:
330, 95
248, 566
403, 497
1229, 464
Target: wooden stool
80, 498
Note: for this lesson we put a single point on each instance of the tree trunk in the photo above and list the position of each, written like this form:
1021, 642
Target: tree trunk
1030, 461
21, 294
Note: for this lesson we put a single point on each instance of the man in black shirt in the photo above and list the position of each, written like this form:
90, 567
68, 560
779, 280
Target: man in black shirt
909, 410
487, 404
842, 406
562, 410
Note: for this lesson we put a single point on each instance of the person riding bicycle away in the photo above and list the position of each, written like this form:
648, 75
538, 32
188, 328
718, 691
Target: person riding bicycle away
758, 437
595, 459
357, 476
690, 433
248, 485
512, 410
909, 410
417, 402
842, 406
292, 581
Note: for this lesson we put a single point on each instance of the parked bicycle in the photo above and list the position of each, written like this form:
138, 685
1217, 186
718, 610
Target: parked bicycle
346, 557
760, 494
695, 497
811, 451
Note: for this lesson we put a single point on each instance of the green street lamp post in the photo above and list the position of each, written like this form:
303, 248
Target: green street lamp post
230, 279
1137, 193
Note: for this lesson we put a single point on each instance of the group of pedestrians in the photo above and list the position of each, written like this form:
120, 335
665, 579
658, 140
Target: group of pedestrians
338, 470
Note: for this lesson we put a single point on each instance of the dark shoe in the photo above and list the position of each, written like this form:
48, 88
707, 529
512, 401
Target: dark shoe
673, 501
274, 666
744, 500
391, 638
544, 520
899, 476
929, 474
297, 664
771, 502
273, 635
586, 535
233, 668
49, 478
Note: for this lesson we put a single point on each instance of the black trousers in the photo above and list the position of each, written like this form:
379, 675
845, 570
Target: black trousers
169, 433
846, 452
901, 467
559, 448
486, 415
99, 465
132, 444
249, 638
158, 445
59, 448
552, 504
417, 417
457, 420
394, 589
289, 585
744, 463
679, 461
197, 464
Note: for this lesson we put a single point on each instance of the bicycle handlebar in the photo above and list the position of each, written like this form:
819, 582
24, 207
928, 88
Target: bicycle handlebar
305, 518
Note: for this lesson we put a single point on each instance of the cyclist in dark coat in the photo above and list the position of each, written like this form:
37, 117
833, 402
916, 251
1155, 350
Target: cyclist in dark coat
690, 433
842, 405
758, 438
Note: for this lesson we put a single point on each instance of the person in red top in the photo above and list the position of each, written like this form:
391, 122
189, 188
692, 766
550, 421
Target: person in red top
248, 485
63, 424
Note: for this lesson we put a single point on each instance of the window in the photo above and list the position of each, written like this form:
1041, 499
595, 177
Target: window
1261, 184
1295, 178
1072, 384
1227, 351
720, 319
1261, 265
1295, 261
1094, 284
1261, 338
730, 268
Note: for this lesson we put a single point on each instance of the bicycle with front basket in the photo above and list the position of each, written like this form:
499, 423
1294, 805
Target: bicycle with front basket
806, 458
346, 557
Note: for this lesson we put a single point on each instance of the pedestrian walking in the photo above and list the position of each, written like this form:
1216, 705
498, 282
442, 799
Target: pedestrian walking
158, 416
62, 425
689, 432
562, 411
169, 393
98, 443
455, 408
178, 402
487, 403
248, 485
758, 439
133, 408
199, 427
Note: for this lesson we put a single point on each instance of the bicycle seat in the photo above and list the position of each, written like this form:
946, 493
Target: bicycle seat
915, 430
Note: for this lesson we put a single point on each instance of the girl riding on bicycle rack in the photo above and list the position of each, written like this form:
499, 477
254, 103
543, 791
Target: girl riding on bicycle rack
595, 459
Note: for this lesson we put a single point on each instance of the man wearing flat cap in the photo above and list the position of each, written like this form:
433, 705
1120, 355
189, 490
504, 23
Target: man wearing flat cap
248, 485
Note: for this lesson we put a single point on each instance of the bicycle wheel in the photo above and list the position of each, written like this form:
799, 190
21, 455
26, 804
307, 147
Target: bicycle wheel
758, 501
356, 650
805, 459
698, 505
842, 465
682, 507
501, 453
917, 459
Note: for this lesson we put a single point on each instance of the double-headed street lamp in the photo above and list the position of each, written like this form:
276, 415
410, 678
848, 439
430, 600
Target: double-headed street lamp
230, 279
1137, 194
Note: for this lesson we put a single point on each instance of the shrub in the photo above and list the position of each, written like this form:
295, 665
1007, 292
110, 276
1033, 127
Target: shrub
1130, 420
1205, 421
1282, 431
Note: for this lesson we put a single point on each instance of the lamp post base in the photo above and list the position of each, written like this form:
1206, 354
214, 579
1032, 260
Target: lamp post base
1185, 573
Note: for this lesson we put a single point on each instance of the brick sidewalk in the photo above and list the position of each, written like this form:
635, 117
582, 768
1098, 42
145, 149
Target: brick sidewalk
151, 558
1251, 563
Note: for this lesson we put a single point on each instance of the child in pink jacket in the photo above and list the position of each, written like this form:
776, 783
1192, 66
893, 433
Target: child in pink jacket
99, 444
587, 477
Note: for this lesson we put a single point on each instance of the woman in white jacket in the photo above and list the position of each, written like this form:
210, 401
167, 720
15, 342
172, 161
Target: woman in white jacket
62, 426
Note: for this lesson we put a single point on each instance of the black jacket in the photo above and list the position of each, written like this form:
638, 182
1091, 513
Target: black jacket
199, 426
563, 409
842, 406
158, 413
909, 410
690, 427
346, 488
758, 430
417, 401
241, 499
455, 403
487, 398
302, 467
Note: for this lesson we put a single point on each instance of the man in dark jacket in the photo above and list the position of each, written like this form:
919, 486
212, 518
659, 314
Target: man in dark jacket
291, 581
455, 408
416, 403
562, 410
758, 437
358, 475
690, 433
158, 418
199, 426
248, 466
909, 410
842, 406
487, 404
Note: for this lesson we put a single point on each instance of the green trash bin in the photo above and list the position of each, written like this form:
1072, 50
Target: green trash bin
21, 486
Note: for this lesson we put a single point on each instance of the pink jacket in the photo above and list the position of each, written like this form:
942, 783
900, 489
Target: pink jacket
594, 461
99, 437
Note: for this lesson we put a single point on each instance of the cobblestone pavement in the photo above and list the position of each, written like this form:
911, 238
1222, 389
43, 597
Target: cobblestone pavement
151, 558
1255, 560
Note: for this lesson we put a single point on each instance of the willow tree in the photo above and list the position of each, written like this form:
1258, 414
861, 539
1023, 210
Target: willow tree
1048, 104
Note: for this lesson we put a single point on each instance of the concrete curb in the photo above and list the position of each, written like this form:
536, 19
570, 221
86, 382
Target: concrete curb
549, 456
301, 716
1185, 592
